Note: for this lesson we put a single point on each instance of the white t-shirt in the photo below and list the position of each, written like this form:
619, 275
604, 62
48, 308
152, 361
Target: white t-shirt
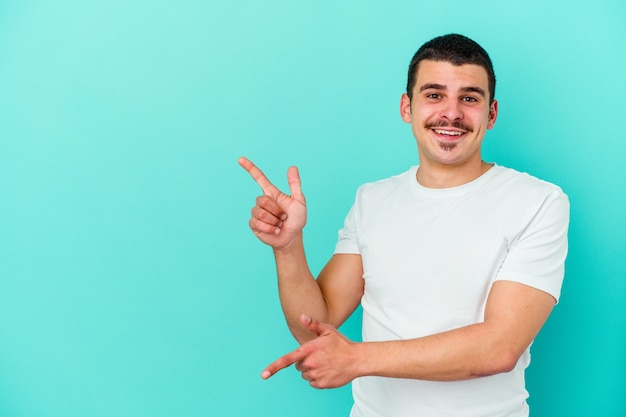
430, 257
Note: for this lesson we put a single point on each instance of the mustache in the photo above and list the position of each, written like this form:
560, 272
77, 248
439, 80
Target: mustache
444, 123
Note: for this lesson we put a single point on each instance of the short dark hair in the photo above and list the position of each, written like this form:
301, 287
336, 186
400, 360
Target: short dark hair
457, 50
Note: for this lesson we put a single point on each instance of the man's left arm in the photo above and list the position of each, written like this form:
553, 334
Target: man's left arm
514, 314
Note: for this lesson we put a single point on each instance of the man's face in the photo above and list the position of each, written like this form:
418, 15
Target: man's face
449, 113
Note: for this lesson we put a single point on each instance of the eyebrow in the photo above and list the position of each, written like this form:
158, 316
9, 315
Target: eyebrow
477, 90
435, 86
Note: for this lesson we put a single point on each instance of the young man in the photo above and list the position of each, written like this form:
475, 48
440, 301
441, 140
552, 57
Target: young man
457, 263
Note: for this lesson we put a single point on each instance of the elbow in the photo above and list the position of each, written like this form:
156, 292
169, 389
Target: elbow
301, 334
507, 362
499, 362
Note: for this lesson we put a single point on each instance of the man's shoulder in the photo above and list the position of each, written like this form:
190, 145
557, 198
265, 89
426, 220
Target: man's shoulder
519, 181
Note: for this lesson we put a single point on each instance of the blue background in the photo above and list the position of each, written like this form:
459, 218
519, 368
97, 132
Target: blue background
130, 284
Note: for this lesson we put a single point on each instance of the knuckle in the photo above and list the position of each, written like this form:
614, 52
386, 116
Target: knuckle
257, 226
262, 200
310, 363
262, 215
254, 224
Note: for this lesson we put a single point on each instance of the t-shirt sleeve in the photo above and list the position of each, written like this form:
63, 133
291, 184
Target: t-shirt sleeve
537, 257
347, 242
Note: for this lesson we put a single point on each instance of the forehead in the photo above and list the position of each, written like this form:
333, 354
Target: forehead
452, 76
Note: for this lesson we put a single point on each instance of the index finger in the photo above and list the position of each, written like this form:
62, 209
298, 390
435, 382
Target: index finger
282, 363
257, 175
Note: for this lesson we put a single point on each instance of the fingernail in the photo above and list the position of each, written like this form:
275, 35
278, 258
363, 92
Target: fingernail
276, 231
306, 318
266, 374
284, 216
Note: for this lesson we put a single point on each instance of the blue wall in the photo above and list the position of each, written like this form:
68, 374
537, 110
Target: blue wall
129, 282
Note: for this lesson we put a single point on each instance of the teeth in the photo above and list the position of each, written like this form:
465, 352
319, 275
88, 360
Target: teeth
448, 132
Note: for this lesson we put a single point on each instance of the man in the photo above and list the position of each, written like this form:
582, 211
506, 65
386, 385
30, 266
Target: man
457, 263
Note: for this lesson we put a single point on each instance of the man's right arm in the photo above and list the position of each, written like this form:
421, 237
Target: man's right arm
333, 296
277, 220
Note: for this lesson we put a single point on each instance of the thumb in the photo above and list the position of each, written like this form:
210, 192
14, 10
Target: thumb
295, 185
314, 325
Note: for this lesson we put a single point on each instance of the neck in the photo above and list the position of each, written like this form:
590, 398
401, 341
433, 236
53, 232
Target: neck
449, 176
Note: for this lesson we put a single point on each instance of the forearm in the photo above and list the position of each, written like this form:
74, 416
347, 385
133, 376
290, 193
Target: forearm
465, 353
298, 290
514, 314
331, 360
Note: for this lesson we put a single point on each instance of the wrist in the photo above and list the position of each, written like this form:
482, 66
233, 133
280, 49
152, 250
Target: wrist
294, 244
361, 354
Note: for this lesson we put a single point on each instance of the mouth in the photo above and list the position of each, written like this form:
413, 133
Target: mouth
449, 132
452, 134
448, 138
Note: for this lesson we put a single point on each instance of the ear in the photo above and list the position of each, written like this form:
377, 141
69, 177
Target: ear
405, 108
493, 114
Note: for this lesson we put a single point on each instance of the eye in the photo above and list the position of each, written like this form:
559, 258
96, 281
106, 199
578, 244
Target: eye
469, 99
433, 96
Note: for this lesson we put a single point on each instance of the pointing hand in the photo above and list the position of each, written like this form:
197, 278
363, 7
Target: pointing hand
328, 361
277, 218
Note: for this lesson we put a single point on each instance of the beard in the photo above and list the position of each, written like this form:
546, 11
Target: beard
447, 146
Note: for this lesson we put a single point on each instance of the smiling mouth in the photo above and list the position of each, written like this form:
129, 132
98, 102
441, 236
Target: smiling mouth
450, 133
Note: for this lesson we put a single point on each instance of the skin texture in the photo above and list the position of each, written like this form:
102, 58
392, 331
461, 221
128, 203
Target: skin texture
449, 115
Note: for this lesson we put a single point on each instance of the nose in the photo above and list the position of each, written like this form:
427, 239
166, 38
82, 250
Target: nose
451, 110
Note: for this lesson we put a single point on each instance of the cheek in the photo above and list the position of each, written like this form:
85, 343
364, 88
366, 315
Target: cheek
480, 118
423, 118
